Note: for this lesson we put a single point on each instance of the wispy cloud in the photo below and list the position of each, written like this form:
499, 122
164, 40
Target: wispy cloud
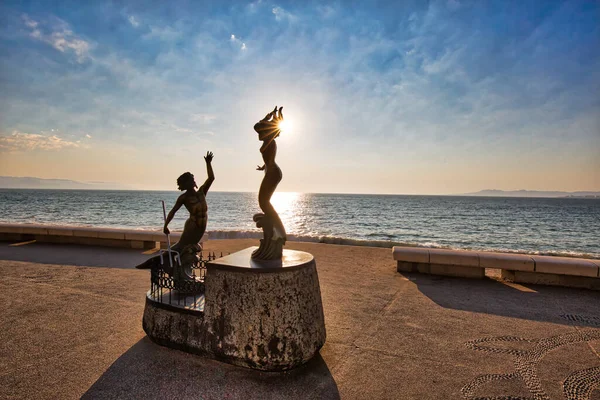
454, 4
20, 141
282, 15
326, 11
203, 118
133, 21
234, 39
59, 36
253, 6
164, 32
29, 22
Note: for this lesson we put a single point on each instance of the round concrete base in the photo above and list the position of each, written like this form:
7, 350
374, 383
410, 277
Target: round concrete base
262, 315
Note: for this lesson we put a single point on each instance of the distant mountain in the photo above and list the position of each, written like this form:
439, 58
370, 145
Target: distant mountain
532, 193
14, 182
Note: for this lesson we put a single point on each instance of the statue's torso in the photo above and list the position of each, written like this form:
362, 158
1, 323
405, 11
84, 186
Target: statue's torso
196, 205
269, 154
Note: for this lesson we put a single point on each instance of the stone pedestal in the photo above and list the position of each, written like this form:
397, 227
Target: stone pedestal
265, 315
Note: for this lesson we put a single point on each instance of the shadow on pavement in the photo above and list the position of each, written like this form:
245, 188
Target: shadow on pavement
72, 254
150, 371
559, 305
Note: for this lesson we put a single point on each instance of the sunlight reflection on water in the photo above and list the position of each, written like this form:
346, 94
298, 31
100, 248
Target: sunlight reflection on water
555, 226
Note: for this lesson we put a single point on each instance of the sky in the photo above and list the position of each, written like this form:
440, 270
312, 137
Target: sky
407, 97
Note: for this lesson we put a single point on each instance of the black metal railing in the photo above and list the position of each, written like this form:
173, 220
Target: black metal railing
168, 285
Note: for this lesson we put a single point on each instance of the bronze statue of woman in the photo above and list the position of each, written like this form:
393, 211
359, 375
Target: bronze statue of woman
274, 236
195, 226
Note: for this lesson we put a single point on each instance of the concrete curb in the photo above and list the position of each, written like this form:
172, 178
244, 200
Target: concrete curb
111, 237
562, 271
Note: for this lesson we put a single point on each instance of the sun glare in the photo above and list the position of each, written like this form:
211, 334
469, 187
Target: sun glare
284, 202
286, 126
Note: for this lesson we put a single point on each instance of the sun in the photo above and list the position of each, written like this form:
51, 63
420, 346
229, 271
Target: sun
286, 126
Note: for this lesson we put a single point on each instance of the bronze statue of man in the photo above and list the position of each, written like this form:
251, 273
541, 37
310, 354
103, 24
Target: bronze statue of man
274, 235
195, 226
195, 202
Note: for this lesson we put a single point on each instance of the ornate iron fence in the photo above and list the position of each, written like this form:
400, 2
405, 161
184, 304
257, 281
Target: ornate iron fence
174, 286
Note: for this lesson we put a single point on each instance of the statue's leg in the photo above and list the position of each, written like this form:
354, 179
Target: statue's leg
264, 202
271, 247
267, 187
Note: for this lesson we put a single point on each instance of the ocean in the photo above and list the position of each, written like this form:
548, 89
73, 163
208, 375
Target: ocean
555, 226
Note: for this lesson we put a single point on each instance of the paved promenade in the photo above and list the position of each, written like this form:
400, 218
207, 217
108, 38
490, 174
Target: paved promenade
70, 326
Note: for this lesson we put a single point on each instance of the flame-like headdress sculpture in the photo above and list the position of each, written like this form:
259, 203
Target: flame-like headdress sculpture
268, 127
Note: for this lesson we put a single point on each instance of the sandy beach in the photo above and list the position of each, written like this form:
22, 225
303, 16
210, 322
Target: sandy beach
69, 331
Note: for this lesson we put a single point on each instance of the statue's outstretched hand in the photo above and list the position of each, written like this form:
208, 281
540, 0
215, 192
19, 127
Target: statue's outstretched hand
269, 115
209, 156
259, 168
274, 115
278, 115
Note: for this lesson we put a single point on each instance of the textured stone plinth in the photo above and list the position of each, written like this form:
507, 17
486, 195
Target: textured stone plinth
264, 315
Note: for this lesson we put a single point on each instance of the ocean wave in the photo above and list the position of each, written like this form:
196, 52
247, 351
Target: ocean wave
339, 240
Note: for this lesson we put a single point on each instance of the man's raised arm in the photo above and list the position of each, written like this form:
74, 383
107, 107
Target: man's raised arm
211, 175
